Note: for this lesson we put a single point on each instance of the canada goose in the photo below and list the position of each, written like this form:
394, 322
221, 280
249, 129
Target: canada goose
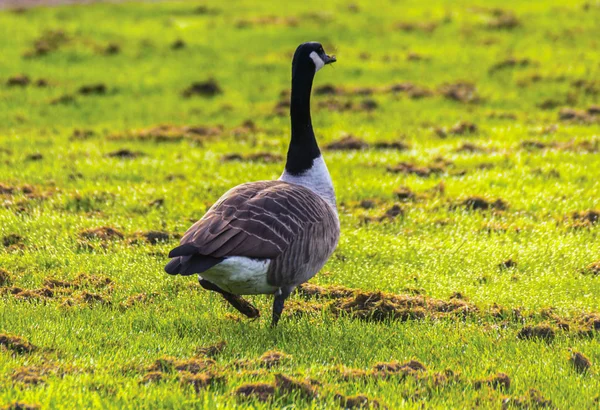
268, 237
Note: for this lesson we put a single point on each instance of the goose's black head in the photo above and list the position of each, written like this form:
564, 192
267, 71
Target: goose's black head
310, 58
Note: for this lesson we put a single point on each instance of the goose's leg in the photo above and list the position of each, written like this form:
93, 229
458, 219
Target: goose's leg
242, 305
280, 296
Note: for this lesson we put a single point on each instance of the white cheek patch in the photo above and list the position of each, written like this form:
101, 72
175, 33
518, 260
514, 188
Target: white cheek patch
319, 63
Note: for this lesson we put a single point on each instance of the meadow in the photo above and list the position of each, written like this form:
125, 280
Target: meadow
463, 139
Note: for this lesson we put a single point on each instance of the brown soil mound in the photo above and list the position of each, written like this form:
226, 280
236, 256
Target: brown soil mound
378, 306
464, 92
265, 157
331, 292
498, 381
542, 331
138, 299
421, 171
424, 26
288, 385
20, 80
201, 380
585, 218
193, 365
347, 143
592, 269
580, 362
273, 358
178, 44
152, 237
510, 63
93, 89
208, 88
16, 344
503, 20
357, 402
470, 148
5, 278
395, 145
211, 350
171, 133
103, 233
48, 42
533, 399
152, 377
12, 239
21, 405
124, 153
479, 203
260, 391
396, 367
404, 194
508, 264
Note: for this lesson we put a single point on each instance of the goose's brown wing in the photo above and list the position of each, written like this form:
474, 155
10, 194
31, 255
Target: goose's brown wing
257, 220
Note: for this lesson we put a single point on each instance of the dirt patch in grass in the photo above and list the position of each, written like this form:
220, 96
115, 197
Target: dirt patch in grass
21, 405
422, 26
34, 157
407, 168
353, 143
125, 153
260, 391
16, 344
478, 203
357, 402
5, 277
20, 80
178, 44
270, 20
65, 99
591, 269
171, 133
268, 360
111, 49
265, 157
584, 219
168, 364
498, 381
511, 62
138, 299
152, 377
80, 134
580, 362
347, 143
396, 367
28, 376
460, 128
461, 91
287, 384
208, 88
93, 89
309, 290
471, 148
82, 280
201, 381
507, 264
103, 233
48, 42
502, 20
578, 116
152, 237
211, 350
379, 306
404, 194
533, 399
542, 331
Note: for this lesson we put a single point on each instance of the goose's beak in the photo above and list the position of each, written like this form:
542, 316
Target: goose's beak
329, 59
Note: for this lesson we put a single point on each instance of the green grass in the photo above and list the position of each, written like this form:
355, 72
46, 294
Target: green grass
438, 246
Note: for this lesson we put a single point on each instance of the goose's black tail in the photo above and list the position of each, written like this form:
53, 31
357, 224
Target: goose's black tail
186, 262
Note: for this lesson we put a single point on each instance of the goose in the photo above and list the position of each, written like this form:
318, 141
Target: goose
268, 237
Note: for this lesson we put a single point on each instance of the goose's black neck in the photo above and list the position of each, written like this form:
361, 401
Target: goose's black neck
303, 145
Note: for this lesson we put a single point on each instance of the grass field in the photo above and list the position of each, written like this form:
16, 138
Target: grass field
479, 220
